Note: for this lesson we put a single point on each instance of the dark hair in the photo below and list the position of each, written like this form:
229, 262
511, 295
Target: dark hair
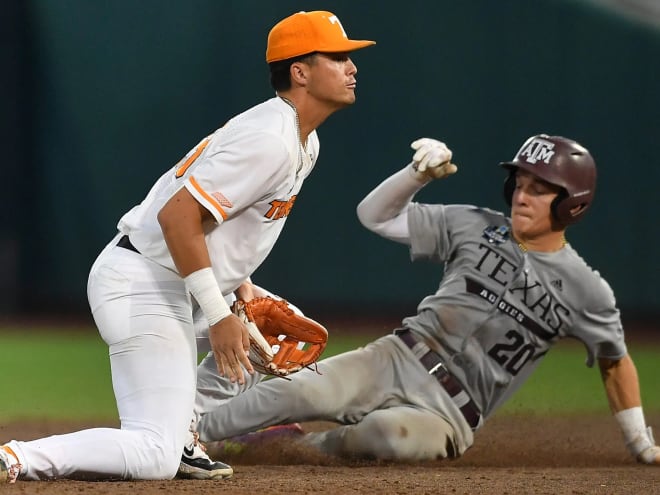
280, 79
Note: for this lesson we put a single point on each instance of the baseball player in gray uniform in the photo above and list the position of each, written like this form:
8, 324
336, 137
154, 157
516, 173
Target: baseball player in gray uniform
203, 229
512, 287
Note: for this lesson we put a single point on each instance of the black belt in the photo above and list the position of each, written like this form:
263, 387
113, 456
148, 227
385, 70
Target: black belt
433, 363
125, 242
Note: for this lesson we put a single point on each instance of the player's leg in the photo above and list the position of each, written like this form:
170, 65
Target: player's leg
213, 389
335, 393
152, 355
401, 433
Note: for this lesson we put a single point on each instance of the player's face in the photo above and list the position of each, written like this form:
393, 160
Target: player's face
531, 216
331, 79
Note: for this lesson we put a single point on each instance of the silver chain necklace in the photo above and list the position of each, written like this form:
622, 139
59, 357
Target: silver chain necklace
301, 148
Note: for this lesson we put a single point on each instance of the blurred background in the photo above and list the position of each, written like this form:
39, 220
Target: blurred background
100, 98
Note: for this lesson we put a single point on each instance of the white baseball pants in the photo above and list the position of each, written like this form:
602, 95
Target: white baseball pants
144, 314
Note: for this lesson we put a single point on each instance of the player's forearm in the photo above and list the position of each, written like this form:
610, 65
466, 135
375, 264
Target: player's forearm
384, 209
181, 220
621, 383
622, 387
188, 250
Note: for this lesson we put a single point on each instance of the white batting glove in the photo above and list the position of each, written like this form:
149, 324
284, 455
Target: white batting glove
432, 160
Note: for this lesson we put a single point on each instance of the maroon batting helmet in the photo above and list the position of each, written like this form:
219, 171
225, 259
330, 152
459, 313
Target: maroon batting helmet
559, 161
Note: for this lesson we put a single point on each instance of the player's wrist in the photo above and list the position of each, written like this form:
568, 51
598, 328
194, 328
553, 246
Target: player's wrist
638, 438
204, 288
420, 178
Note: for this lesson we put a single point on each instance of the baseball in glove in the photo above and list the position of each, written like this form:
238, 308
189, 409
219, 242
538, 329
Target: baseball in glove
282, 342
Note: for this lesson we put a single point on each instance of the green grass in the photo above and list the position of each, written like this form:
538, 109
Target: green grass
55, 374
563, 384
60, 374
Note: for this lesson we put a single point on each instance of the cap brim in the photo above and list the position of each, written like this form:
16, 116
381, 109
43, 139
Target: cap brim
343, 46
346, 46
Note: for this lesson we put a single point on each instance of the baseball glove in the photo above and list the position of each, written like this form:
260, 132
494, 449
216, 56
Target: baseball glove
281, 341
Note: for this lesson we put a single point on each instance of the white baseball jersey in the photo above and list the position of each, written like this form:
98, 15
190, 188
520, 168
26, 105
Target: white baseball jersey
247, 174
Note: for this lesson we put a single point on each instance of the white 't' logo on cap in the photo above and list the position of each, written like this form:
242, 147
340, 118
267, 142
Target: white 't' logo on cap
537, 149
334, 20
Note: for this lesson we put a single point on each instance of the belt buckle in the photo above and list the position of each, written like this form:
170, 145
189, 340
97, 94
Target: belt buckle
437, 367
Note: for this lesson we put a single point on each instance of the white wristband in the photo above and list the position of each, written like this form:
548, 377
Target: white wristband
634, 430
204, 288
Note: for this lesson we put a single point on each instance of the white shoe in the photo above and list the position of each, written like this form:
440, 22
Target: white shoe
10, 468
196, 464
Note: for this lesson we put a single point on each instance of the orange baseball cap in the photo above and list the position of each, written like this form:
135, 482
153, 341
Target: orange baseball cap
307, 32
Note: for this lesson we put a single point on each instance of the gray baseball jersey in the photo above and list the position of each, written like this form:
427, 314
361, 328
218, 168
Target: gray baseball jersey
496, 313
499, 309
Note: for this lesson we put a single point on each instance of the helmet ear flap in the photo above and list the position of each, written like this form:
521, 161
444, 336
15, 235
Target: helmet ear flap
555, 205
568, 210
509, 186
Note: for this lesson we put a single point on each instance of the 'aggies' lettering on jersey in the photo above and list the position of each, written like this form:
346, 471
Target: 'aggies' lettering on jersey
280, 208
474, 287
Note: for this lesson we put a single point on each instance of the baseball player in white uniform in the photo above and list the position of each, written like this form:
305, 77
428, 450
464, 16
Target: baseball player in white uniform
202, 230
512, 287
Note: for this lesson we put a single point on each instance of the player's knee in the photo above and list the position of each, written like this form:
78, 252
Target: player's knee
373, 438
167, 467
162, 467
157, 459
390, 440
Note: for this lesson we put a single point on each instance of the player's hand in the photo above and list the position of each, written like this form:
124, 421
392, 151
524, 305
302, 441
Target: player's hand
432, 160
245, 291
650, 456
230, 343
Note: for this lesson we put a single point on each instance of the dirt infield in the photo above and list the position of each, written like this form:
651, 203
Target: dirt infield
512, 455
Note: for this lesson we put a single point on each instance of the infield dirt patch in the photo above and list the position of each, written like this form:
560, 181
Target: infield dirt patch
511, 455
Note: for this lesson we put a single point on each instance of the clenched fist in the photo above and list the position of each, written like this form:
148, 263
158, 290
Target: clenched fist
432, 160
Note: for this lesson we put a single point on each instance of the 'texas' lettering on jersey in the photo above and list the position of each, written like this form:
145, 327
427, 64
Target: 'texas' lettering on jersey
280, 208
530, 292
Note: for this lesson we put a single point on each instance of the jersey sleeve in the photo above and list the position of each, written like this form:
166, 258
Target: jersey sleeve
600, 327
428, 233
436, 229
237, 168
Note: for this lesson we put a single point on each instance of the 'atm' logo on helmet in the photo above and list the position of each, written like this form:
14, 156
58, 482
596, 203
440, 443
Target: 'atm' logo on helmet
537, 150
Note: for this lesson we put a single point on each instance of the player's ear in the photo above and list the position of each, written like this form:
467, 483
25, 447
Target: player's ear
299, 73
